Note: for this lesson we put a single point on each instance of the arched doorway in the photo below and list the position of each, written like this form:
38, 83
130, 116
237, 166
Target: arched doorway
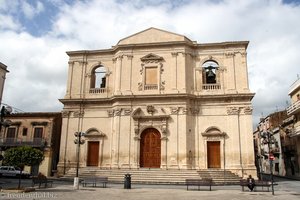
150, 154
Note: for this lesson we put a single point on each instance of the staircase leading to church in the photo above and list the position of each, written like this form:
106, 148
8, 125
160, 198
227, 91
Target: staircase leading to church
157, 176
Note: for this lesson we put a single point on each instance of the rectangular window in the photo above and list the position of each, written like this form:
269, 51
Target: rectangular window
151, 76
24, 133
38, 132
11, 132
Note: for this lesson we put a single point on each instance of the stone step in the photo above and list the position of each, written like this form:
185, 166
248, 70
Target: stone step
158, 176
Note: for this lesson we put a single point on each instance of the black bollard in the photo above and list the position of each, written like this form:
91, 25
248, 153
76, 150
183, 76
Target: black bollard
127, 181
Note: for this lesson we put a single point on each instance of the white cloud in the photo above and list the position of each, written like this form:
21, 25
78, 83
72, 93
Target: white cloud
30, 10
40, 64
8, 23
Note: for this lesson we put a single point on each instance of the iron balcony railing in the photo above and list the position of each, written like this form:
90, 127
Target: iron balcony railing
294, 108
13, 142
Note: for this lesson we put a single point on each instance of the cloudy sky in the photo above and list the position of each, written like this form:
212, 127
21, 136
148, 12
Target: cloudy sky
35, 34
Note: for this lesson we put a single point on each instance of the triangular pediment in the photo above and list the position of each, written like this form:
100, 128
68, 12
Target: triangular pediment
151, 56
153, 35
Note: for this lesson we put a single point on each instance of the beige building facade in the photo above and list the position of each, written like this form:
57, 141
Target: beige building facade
3, 72
294, 111
38, 130
159, 100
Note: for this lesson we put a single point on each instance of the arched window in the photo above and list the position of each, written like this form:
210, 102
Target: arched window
210, 72
98, 78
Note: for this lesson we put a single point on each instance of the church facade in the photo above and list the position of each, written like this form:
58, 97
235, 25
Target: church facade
159, 100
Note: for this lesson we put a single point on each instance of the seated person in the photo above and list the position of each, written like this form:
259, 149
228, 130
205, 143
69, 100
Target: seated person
251, 183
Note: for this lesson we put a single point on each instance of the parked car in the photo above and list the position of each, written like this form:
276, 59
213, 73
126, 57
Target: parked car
13, 172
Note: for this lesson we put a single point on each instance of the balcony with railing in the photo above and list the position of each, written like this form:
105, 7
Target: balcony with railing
15, 142
98, 90
211, 86
151, 87
295, 86
294, 108
295, 131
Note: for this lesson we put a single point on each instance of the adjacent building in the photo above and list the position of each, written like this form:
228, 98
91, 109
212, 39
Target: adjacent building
38, 130
159, 100
265, 150
284, 127
294, 112
3, 71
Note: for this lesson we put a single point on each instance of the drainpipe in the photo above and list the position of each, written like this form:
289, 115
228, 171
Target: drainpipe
240, 145
224, 157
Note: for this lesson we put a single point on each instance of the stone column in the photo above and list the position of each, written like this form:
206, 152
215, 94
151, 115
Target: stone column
118, 72
175, 72
164, 155
70, 80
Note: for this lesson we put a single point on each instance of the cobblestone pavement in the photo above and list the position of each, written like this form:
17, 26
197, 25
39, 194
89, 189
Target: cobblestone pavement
64, 191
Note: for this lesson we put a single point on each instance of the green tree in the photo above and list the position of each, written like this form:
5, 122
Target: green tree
21, 156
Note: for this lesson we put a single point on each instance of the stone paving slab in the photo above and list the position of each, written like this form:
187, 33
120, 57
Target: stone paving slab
148, 192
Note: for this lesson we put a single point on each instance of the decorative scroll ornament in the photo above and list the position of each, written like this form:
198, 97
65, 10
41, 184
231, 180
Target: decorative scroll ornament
78, 114
150, 109
65, 113
248, 110
174, 110
110, 113
127, 111
118, 112
233, 110
195, 111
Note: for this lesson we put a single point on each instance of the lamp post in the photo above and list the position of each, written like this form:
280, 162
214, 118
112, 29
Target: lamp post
78, 141
270, 139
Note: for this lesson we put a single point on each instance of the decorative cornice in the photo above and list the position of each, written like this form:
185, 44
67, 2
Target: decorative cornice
174, 110
118, 112
129, 57
233, 110
174, 54
161, 117
65, 113
248, 110
95, 134
127, 111
78, 114
110, 113
17, 123
82, 62
150, 109
152, 58
39, 123
195, 111
229, 54
185, 111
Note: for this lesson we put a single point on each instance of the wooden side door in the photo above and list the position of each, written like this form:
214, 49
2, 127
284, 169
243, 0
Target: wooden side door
213, 154
150, 155
93, 154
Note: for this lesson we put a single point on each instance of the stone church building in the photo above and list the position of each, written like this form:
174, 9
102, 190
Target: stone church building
159, 100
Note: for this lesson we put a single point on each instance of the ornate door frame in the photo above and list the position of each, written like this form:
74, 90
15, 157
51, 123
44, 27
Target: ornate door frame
153, 136
143, 121
215, 135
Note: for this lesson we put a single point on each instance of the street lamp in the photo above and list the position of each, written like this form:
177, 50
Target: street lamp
78, 140
269, 139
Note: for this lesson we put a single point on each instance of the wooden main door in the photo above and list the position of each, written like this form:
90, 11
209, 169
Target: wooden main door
93, 154
213, 155
150, 154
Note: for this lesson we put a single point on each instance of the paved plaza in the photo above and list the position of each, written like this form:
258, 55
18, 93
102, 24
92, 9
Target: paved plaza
286, 189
